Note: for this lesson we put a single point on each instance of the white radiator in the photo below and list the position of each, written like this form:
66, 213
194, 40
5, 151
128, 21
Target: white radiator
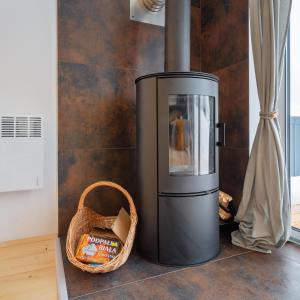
21, 153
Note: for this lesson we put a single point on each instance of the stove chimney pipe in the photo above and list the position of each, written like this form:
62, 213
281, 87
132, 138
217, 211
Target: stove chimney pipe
177, 35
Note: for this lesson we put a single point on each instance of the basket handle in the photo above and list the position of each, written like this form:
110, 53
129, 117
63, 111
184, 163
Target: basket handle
109, 184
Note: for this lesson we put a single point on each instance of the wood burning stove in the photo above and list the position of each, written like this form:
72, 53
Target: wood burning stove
177, 154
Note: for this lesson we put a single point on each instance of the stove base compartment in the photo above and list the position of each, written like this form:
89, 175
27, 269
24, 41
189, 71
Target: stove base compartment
189, 231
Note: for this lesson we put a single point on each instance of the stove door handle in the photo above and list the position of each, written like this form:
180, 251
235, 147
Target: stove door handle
222, 134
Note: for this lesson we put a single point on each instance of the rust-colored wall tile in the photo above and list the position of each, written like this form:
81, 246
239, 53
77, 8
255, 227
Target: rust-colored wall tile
195, 38
99, 31
78, 31
233, 165
96, 107
195, 3
129, 44
234, 107
224, 26
79, 168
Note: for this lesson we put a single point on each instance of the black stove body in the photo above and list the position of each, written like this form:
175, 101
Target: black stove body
177, 154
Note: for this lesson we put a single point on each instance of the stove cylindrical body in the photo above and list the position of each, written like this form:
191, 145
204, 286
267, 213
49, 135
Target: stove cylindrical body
178, 171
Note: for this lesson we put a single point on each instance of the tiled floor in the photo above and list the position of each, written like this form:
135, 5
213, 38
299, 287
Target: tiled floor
235, 274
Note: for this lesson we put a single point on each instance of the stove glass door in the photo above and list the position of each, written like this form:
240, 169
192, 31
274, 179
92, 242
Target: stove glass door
191, 135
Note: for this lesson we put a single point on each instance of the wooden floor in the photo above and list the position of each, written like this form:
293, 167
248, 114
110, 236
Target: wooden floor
27, 269
296, 216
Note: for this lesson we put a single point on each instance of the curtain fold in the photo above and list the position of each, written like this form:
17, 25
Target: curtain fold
264, 213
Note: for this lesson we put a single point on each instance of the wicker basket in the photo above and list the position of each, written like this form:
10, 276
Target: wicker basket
83, 222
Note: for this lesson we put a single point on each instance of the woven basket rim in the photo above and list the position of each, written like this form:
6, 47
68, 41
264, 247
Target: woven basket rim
121, 258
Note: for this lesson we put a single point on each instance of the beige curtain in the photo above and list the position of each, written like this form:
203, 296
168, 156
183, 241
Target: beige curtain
264, 212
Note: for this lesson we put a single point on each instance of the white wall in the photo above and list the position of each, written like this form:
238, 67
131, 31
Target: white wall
28, 85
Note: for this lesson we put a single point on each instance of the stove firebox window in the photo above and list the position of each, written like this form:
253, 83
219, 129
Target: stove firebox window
191, 135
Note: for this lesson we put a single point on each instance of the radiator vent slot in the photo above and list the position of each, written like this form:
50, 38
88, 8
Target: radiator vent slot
35, 127
21, 126
7, 127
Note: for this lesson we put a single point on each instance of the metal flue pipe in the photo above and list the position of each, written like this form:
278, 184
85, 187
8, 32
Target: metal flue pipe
177, 35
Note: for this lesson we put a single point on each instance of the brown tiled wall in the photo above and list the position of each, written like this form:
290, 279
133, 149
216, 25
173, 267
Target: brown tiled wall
224, 52
101, 52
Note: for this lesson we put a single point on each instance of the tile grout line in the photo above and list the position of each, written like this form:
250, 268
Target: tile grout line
243, 60
98, 148
102, 67
160, 275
